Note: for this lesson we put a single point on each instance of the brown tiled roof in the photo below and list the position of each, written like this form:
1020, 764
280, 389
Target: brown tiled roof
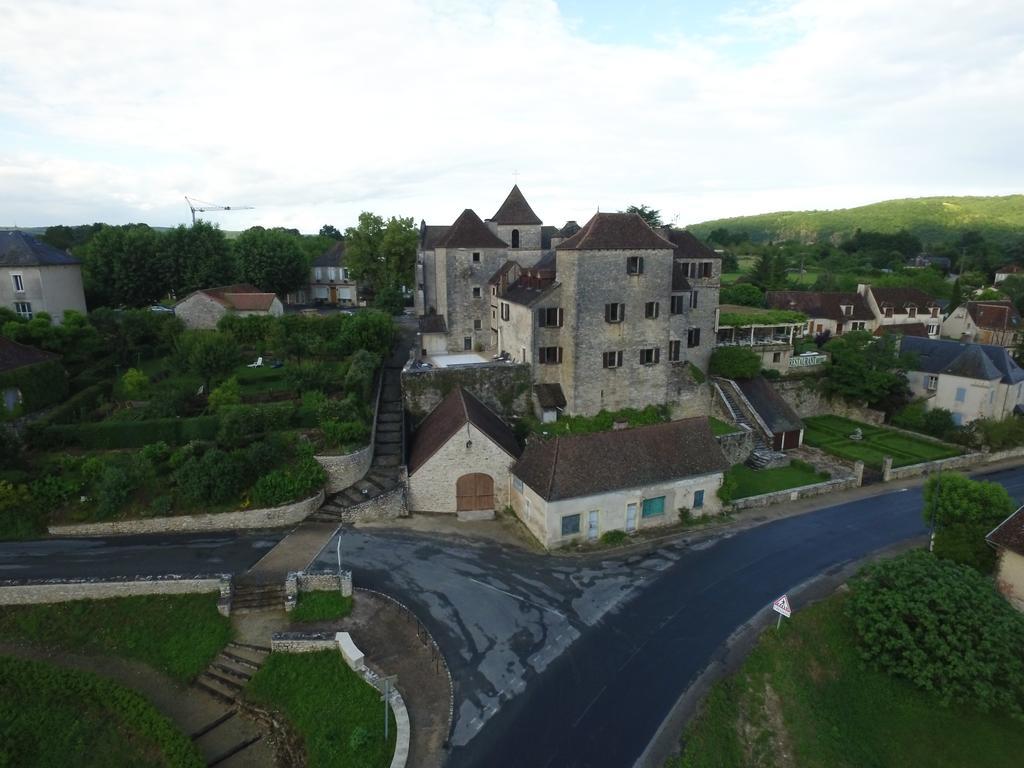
1010, 533
469, 231
452, 414
615, 232
549, 395
687, 245
584, 465
994, 315
820, 304
243, 297
1010, 269
901, 297
433, 324
515, 210
332, 257
903, 329
14, 355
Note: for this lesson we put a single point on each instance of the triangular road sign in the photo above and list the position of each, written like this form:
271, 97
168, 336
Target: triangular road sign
782, 606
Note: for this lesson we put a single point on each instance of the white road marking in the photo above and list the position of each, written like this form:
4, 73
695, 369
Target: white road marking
517, 597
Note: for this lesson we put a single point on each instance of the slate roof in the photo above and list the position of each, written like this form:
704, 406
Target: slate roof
994, 315
332, 257
469, 231
569, 229
901, 297
687, 246
515, 210
546, 233
430, 234
525, 294
433, 324
1010, 533
773, 410
973, 361
14, 355
549, 395
571, 466
18, 249
903, 329
615, 232
457, 409
821, 304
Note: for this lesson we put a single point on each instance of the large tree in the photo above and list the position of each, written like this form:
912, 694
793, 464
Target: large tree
197, 257
331, 231
769, 271
867, 369
381, 252
210, 354
651, 215
271, 259
962, 511
121, 267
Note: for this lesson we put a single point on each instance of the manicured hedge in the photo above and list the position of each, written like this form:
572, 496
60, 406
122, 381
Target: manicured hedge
126, 434
81, 402
41, 385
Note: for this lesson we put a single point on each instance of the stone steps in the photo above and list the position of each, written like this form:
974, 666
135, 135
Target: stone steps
257, 596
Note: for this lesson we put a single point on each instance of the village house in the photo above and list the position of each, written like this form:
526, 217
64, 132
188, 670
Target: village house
973, 381
985, 322
330, 283
30, 379
204, 308
608, 315
36, 277
827, 312
771, 339
1008, 540
1009, 270
903, 311
577, 487
459, 459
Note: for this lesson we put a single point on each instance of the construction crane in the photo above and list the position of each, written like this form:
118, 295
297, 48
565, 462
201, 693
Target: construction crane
200, 206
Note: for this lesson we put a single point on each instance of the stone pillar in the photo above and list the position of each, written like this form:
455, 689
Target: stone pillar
858, 472
291, 591
886, 469
346, 583
224, 601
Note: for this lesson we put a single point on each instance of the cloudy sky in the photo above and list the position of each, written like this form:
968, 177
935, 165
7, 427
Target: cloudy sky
313, 111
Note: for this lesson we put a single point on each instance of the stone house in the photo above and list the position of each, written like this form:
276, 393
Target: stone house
204, 308
329, 281
827, 311
1008, 540
459, 459
36, 277
904, 307
612, 312
986, 322
974, 381
575, 488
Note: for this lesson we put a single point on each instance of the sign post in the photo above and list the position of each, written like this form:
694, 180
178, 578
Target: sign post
782, 607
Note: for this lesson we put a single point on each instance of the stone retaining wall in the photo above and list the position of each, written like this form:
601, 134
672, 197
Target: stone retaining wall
13, 592
343, 471
276, 517
315, 581
1012, 453
387, 506
890, 473
792, 494
308, 642
504, 388
804, 398
736, 446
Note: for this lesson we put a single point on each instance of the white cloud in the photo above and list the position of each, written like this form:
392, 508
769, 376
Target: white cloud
314, 112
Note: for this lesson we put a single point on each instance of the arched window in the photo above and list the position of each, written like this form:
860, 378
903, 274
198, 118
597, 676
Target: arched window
515, 238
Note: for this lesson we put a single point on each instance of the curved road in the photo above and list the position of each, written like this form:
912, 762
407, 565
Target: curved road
557, 661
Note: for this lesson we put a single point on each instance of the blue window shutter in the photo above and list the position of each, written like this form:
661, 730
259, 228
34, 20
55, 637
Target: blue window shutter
961, 394
654, 507
698, 499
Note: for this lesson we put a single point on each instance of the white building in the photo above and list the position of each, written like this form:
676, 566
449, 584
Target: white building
575, 488
974, 381
986, 322
36, 277
329, 281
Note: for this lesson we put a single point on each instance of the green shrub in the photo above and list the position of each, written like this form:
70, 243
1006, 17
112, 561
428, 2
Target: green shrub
298, 481
965, 543
345, 433
134, 384
113, 435
361, 370
19, 516
41, 385
943, 627
771, 374
306, 377
239, 424
228, 393
735, 363
614, 538
350, 408
730, 486
10, 447
1000, 435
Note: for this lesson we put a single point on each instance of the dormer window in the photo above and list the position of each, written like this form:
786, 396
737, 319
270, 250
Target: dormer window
888, 311
912, 311
935, 311
847, 310
515, 238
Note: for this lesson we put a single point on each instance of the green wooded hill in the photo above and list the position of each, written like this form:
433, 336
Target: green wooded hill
933, 219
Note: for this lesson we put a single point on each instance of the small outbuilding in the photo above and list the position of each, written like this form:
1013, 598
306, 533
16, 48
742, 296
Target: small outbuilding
30, 378
577, 487
459, 459
1008, 539
204, 308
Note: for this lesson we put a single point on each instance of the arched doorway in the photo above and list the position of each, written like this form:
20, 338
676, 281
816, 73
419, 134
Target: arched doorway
474, 492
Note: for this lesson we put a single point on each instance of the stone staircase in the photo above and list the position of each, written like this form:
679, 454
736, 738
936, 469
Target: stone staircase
383, 474
223, 740
256, 596
763, 455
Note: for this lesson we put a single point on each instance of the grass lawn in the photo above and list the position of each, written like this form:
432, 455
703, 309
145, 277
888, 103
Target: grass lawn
57, 717
754, 482
176, 634
720, 427
339, 716
602, 422
803, 692
832, 435
321, 606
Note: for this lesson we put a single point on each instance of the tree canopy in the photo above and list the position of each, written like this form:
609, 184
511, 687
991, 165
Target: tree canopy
331, 231
196, 257
963, 511
867, 369
271, 259
121, 267
651, 215
744, 294
735, 363
382, 253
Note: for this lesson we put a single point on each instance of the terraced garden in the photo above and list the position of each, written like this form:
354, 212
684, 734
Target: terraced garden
832, 435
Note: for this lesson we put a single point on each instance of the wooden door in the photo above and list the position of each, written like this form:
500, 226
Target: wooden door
334, 295
474, 492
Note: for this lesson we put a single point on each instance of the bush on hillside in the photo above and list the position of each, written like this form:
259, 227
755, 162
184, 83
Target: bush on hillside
943, 627
735, 363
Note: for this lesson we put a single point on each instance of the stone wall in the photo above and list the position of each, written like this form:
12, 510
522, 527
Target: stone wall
343, 471
303, 642
387, 506
737, 446
275, 517
687, 398
13, 592
297, 582
505, 388
890, 473
807, 400
792, 494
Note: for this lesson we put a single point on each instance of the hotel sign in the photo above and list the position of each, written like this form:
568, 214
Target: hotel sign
807, 359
